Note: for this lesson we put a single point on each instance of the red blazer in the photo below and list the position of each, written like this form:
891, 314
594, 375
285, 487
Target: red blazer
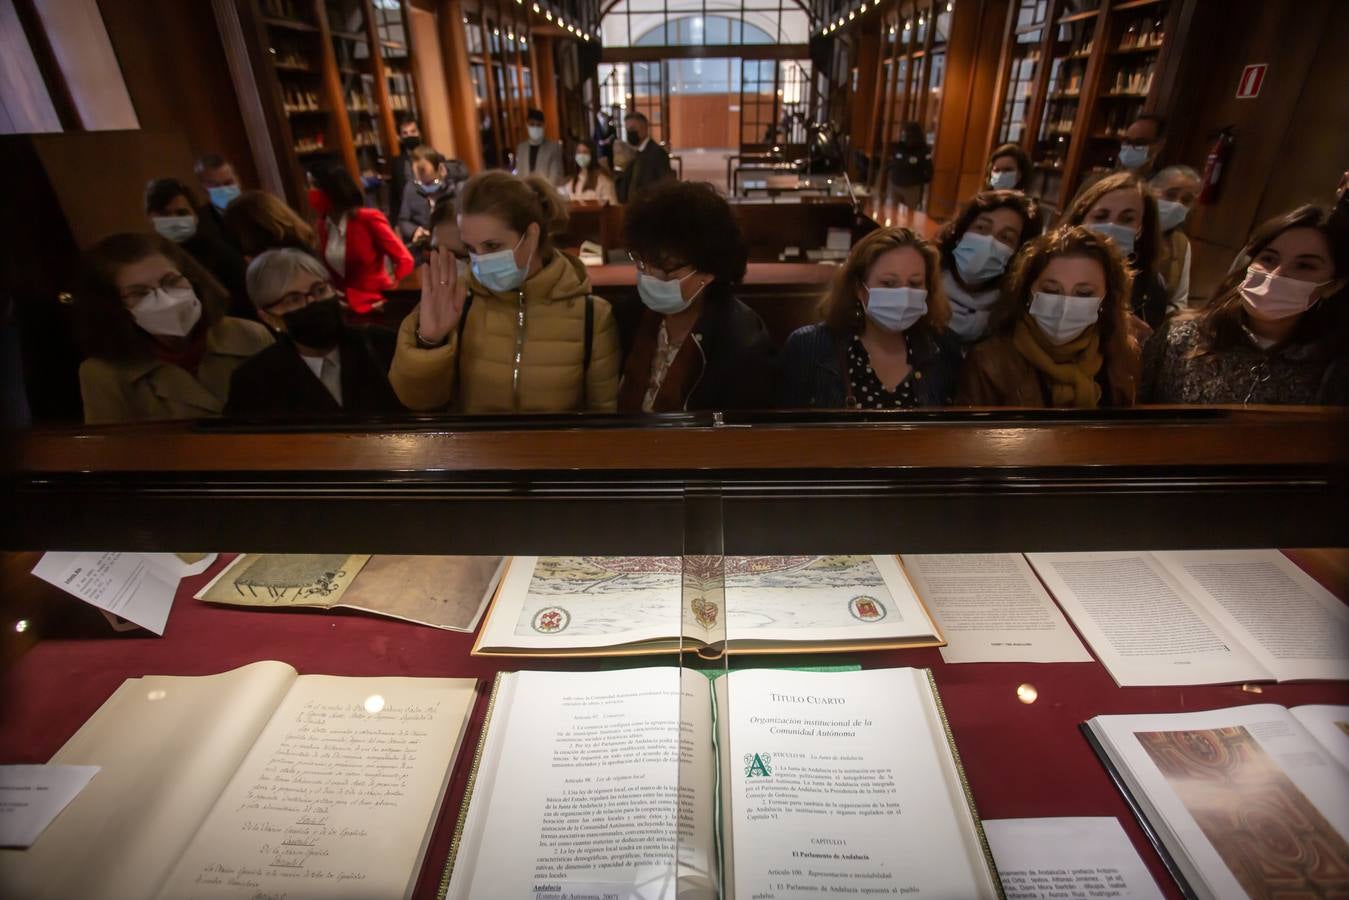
369, 241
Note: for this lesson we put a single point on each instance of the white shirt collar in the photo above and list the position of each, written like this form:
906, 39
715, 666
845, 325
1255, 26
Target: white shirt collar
642, 145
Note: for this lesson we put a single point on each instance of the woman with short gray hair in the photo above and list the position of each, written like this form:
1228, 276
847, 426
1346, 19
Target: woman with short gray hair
320, 365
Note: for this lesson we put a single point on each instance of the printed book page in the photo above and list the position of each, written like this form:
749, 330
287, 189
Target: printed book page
1143, 625
1203, 778
842, 783
1292, 625
992, 608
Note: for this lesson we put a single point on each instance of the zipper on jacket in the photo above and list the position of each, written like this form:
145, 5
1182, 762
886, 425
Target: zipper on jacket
519, 350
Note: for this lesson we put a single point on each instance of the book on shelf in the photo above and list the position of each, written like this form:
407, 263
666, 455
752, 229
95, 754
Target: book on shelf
1200, 616
254, 782
622, 605
1251, 801
659, 783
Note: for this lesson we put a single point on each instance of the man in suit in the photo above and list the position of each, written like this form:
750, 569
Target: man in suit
538, 156
319, 366
650, 164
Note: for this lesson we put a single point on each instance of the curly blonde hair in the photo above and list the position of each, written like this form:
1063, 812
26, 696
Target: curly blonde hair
842, 309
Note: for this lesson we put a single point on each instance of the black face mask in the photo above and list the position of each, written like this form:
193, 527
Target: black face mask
633, 137
410, 143
318, 325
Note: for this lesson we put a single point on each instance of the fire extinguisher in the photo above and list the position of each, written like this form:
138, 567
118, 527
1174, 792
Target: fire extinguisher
1215, 165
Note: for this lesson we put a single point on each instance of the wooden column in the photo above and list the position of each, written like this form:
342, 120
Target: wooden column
864, 99
459, 85
545, 85
340, 132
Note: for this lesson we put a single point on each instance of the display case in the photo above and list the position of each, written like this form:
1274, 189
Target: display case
977, 481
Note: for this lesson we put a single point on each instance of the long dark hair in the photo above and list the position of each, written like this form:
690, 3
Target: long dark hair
1074, 240
1220, 322
986, 202
337, 185
103, 324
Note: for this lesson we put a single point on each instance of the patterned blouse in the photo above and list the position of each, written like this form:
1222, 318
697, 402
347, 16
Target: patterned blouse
1247, 373
867, 390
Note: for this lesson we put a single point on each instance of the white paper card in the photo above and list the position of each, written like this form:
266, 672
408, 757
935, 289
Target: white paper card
124, 584
1039, 859
31, 796
992, 608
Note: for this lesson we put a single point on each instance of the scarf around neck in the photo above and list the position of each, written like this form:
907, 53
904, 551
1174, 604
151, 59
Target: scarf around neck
1069, 370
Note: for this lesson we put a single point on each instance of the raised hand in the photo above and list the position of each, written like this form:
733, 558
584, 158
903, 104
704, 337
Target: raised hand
443, 296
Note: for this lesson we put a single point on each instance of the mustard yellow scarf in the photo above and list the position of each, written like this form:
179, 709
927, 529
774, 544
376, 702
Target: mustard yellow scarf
1069, 369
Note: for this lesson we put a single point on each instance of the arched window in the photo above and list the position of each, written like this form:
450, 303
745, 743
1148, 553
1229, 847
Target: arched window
666, 23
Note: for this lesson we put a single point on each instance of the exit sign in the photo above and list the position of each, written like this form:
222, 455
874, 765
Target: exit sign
1252, 77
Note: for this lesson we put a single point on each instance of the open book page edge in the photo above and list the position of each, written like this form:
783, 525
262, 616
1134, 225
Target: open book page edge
964, 784
939, 636
230, 566
1135, 799
461, 821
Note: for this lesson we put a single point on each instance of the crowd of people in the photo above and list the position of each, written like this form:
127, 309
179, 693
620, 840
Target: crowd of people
239, 306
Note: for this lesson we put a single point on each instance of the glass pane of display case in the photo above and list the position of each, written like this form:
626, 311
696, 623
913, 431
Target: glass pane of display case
394, 50
1017, 96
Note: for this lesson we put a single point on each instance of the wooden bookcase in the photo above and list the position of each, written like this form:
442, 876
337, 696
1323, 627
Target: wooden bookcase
910, 74
1074, 74
326, 93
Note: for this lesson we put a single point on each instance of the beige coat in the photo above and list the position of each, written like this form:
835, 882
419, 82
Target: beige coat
146, 389
545, 323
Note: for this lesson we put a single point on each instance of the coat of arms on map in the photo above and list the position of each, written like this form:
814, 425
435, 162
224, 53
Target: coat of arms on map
866, 609
551, 619
705, 612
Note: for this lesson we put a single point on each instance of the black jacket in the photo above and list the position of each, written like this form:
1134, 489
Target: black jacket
648, 166
911, 166
276, 383
222, 260
727, 362
815, 374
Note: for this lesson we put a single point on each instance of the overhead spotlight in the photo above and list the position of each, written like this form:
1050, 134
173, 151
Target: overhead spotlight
948, 6
851, 16
536, 7
548, 14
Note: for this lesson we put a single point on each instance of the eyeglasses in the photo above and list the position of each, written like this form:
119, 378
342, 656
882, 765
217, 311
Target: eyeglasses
320, 290
667, 272
138, 292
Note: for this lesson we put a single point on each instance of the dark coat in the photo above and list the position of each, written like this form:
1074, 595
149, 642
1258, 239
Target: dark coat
911, 166
277, 383
726, 362
647, 167
815, 369
399, 175
223, 260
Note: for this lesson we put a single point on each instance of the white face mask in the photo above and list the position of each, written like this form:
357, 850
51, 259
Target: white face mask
896, 309
583, 160
168, 312
1003, 181
175, 228
1122, 235
1062, 317
1268, 296
1170, 213
535, 133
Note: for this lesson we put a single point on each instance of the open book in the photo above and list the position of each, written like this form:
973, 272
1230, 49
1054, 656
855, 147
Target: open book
804, 784
1200, 617
255, 782
620, 605
1245, 802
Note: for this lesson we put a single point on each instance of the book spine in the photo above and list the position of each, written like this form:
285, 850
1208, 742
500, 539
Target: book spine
965, 786
468, 790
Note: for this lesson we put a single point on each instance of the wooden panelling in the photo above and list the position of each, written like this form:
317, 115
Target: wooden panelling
1291, 140
174, 66
464, 115
704, 120
89, 65
429, 63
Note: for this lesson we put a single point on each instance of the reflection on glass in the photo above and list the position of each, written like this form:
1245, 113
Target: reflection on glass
1027, 693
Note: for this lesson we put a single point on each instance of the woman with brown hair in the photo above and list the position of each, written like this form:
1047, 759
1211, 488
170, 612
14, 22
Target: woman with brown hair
591, 183
882, 343
1276, 332
1122, 207
260, 222
975, 248
1060, 334
519, 331
1009, 168
152, 323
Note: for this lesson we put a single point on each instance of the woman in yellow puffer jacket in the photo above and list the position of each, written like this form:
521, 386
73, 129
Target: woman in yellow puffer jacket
521, 331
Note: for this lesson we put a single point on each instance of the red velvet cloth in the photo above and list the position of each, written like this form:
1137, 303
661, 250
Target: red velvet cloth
1021, 760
